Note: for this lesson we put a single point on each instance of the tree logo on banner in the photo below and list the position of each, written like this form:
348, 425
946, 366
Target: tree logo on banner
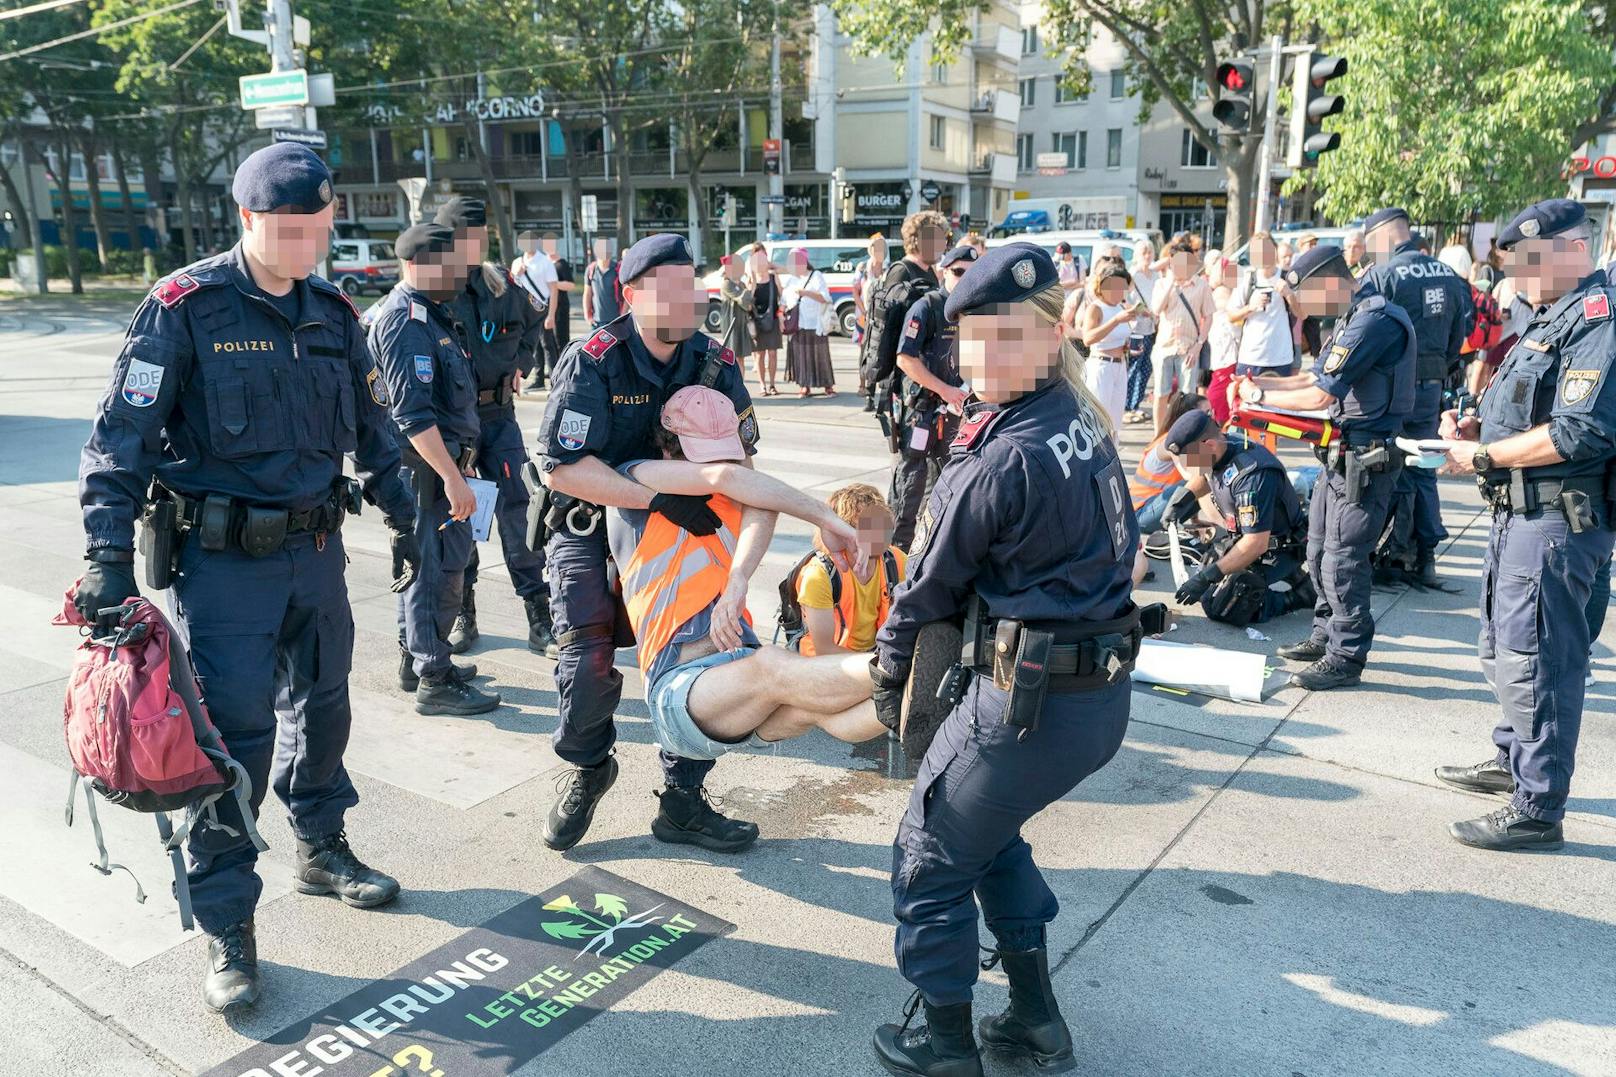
596, 932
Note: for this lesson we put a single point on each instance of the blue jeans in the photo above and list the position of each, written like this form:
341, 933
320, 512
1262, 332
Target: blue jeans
1139, 374
1242, 370
1151, 512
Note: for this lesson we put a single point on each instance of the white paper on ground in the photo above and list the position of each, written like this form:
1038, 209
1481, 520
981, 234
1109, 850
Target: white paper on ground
1213, 671
482, 520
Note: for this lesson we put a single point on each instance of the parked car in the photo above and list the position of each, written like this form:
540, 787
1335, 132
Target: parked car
363, 265
836, 258
1084, 242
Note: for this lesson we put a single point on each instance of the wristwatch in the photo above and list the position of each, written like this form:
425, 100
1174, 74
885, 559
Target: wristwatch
1482, 460
1256, 393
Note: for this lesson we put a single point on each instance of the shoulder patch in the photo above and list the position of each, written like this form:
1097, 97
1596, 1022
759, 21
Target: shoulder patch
1338, 355
1596, 307
351, 305
417, 311
377, 386
423, 369
1577, 385
599, 344
726, 354
974, 428
172, 291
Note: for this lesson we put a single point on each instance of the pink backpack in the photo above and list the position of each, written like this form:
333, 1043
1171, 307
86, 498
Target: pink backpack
139, 735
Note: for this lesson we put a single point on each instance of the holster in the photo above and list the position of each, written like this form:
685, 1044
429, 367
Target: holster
1021, 667
889, 430
161, 541
568, 513
538, 506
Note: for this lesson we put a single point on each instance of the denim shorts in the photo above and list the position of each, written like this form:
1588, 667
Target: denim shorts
669, 703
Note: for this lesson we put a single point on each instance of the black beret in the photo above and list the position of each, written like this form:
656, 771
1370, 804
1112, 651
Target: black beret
1383, 216
1006, 274
662, 249
958, 254
285, 174
1189, 428
1542, 220
1323, 260
418, 239
462, 212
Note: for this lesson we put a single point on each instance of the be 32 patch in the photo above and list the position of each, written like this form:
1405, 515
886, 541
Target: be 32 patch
423, 369
1338, 356
1577, 385
377, 385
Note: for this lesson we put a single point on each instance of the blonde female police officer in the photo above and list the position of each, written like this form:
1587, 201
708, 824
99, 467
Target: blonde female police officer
1028, 535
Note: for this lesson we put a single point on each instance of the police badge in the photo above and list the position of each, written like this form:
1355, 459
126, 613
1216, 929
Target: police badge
1024, 272
1530, 227
1577, 385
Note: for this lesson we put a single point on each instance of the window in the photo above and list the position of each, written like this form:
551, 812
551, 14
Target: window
1198, 88
938, 129
1075, 145
1194, 155
939, 72
1119, 86
345, 252
1063, 96
527, 143
1113, 148
1029, 92
1082, 149
1024, 152
1029, 40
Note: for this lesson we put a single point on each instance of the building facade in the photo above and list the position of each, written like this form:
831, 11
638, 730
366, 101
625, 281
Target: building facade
1181, 186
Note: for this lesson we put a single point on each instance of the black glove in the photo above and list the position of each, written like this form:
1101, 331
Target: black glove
406, 553
888, 694
689, 511
105, 586
1197, 585
1181, 506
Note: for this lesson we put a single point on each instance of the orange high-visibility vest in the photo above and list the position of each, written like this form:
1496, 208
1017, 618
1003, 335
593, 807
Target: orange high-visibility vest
844, 585
1147, 484
674, 575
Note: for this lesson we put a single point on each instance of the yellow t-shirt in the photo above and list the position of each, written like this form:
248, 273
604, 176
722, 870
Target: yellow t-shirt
813, 592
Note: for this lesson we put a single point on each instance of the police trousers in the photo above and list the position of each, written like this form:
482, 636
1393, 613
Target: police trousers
1340, 537
272, 641
588, 617
1422, 423
960, 840
428, 606
915, 472
1230, 599
1533, 646
500, 456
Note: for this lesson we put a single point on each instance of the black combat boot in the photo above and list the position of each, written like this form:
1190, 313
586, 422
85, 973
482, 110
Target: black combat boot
578, 793
1506, 829
942, 1047
687, 818
1489, 777
1308, 650
1328, 673
232, 979
1033, 1024
409, 681
464, 633
329, 866
1425, 569
446, 693
540, 628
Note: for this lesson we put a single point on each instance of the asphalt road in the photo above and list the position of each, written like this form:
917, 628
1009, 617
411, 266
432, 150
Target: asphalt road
1247, 889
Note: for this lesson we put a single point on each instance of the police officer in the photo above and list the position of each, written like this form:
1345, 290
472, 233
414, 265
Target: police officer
605, 400
1030, 536
930, 397
502, 324
925, 239
1260, 509
243, 381
1365, 378
419, 344
1544, 452
1437, 300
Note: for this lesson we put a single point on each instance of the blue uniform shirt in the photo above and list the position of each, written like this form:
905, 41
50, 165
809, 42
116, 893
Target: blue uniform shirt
429, 375
932, 338
1254, 494
607, 392
1435, 299
216, 391
501, 331
1368, 366
1031, 512
1559, 373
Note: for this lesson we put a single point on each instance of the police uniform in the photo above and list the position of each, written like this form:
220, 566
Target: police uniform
606, 397
1254, 494
1367, 366
1551, 533
925, 424
1439, 304
1029, 522
236, 408
430, 381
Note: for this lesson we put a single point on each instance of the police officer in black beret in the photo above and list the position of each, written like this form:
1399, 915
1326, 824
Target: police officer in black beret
502, 324
1544, 453
605, 398
420, 345
1437, 300
1029, 538
243, 381
1365, 378
931, 398
1259, 508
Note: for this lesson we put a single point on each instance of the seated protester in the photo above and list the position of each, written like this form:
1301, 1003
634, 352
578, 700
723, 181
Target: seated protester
1156, 477
842, 613
1264, 517
710, 686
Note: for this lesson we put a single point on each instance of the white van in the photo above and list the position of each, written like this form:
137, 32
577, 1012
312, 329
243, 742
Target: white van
363, 265
836, 258
1084, 242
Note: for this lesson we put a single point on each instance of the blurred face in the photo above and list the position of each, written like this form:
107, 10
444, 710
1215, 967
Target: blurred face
603, 250
1353, 248
759, 264
1007, 353
878, 250
472, 244
550, 245
799, 263
1546, 269
528, 243
1284, 254
1264, 255
732, 269
1183, 265
1200, 456
438, 274
1383, 240
1111, 290
875, 528
289, 245
1325, 296
1144, 254
953, 273
666, 303
931, 244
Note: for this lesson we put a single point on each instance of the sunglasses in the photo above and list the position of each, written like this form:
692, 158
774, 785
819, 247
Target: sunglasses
958, 271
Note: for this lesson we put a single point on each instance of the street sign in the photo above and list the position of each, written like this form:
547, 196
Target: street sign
773, 200
591, 208
288, 116
930, 191
1051, 160
312, 139
275, 88
906, 193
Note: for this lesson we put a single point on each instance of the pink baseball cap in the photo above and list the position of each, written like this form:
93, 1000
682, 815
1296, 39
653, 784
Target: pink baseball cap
705, 421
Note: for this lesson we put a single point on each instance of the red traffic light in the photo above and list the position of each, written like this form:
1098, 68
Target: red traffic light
1235, 77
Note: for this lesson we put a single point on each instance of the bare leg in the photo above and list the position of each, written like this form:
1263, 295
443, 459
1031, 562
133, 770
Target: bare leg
732, 700
856, 724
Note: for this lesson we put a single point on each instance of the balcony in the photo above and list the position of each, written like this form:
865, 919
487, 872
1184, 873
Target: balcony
999, 42
1000, 168
1001, 105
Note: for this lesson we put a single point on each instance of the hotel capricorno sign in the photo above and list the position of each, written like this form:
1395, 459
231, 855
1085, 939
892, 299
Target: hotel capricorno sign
503, 107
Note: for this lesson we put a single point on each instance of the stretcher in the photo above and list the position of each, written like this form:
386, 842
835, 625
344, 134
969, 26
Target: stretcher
1268, 425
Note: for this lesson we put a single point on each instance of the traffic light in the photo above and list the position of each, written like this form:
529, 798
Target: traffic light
1311, 105
1233, 106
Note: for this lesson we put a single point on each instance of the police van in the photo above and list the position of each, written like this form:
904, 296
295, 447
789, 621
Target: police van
363, 265
835, 258
1085, 242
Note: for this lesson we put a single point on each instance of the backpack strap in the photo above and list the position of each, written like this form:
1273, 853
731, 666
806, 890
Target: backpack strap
105, 865
182, 882
889, 562
835, 589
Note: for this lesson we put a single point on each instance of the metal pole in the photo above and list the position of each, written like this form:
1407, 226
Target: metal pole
33, 211
776, 125
1265, 157
280, 35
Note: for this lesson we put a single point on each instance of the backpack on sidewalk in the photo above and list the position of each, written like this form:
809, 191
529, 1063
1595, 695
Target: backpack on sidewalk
790, 616
139, 736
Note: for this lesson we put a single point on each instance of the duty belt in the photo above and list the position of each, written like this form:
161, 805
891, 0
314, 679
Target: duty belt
1585, 500
1084, 655
220, 522
500, 394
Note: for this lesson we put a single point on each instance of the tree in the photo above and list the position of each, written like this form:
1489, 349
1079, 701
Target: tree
1505, 88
